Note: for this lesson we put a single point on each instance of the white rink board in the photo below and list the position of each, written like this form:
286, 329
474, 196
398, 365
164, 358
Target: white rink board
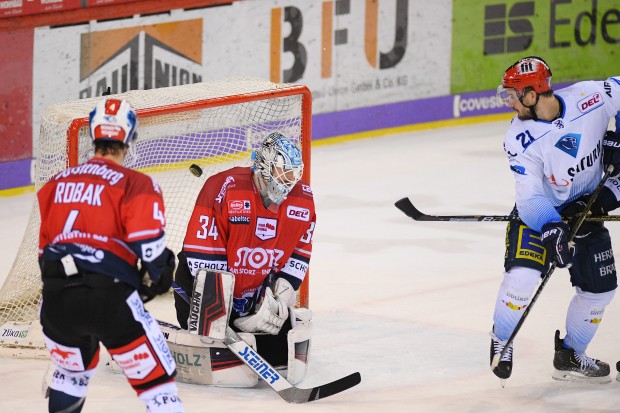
236, 41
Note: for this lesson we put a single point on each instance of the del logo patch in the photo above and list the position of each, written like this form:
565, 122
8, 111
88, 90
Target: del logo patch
301, 214
266, 228
590, 102
569, 144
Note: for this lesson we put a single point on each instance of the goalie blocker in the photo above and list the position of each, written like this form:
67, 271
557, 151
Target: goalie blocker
200, 352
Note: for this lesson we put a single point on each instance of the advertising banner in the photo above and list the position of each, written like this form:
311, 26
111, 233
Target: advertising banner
351, 54
10, 8
579, 39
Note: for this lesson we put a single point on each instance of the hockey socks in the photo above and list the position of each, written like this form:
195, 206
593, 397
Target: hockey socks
513, 298
583, 317
60, 402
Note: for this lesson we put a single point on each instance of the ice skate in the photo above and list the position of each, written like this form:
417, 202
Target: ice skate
572, 366
504, 368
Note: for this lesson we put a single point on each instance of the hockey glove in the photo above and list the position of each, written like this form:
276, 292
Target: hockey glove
151, 288
605, 202
271, 312
555, 239
611, 150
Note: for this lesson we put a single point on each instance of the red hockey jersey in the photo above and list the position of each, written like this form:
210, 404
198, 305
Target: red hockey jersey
230, 229
105, 215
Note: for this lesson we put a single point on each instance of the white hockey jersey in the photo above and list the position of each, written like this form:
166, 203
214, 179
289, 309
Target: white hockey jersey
554, 163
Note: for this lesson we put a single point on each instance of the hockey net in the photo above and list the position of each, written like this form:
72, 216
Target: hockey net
214, 125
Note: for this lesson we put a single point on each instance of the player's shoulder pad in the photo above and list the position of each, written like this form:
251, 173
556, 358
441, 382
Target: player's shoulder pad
217, 186
141, 181
511, 140
302, 189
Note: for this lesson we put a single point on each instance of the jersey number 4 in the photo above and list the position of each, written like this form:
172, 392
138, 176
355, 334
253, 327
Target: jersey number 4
73, 214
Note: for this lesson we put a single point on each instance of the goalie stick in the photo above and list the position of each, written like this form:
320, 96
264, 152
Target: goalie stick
264, 370
411, 211
545, 277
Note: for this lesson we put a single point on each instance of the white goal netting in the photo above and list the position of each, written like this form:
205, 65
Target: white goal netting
213, 124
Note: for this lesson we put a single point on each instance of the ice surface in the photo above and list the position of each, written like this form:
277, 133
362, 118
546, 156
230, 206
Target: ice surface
405, 303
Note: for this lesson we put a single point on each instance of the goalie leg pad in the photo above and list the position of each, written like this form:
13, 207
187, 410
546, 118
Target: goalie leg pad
298, 339
204, 360
211, 304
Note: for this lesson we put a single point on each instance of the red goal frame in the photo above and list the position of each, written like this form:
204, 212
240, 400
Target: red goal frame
305, 139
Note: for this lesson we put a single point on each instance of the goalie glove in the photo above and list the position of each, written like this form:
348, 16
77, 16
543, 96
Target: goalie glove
271, 312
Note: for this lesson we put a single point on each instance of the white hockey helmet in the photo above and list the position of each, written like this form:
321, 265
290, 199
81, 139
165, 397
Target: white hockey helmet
113, 120
280, 165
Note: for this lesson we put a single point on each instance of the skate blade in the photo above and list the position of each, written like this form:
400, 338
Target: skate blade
502, 382
618, 377
574, 377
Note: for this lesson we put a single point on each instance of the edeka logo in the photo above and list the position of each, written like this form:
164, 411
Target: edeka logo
498, 18
509, 27
143, 57
289, 20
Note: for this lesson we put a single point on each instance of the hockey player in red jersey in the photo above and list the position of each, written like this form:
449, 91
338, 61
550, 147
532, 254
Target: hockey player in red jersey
257, 223
100, 221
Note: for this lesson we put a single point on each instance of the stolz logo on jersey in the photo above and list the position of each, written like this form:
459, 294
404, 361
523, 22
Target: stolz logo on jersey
266, 228
569, 144
590, 102
301, 214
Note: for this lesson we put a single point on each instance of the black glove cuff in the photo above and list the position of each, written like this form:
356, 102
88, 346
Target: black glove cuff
605, 202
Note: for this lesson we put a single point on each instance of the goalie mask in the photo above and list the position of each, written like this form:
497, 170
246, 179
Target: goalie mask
113, 120
279, 164
530, 72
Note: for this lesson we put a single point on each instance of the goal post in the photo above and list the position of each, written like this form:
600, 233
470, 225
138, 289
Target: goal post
214, 124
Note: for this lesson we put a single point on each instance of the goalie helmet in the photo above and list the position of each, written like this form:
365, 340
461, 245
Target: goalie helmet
532, 72
113, 120
279, 163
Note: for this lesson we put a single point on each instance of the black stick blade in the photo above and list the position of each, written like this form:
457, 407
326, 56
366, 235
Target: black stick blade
297, 395
407, 207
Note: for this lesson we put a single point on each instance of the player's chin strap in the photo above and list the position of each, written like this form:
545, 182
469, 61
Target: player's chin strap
532, 108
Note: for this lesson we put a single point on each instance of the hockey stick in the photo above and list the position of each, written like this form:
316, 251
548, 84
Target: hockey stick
580, 219
411, 211
264, 370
